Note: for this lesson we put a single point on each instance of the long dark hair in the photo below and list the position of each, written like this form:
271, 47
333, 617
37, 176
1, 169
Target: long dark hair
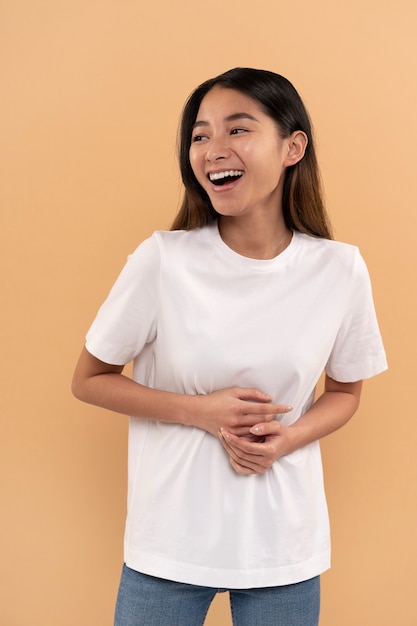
302, 201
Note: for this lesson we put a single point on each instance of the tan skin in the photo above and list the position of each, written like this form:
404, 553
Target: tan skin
233, 133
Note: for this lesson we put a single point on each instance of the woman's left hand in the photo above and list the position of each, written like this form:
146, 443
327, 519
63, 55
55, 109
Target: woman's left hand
269, 441
255, 454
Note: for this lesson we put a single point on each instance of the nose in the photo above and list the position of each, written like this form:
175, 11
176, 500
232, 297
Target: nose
217, 149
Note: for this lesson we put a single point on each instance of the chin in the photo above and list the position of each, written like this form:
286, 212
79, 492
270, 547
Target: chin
229, 211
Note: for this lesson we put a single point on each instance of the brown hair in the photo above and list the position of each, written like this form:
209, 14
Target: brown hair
302, 201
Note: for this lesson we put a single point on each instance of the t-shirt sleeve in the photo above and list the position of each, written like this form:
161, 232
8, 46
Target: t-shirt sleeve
358, 352
127, 320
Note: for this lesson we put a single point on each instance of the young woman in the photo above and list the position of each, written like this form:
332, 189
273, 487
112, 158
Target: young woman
230, 320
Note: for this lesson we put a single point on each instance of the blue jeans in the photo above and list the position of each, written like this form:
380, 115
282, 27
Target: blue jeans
148, 601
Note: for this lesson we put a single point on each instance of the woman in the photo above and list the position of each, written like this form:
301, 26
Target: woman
230, 320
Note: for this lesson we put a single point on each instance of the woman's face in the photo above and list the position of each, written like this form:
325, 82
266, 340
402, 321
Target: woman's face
238, 155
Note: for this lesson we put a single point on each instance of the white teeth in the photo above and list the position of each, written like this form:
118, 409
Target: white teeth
219, 175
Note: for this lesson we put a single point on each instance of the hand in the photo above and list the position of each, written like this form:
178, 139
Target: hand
270, 440
255, 454
235, 409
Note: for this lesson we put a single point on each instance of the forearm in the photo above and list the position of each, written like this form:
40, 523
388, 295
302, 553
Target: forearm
332, 410
235, 408
121, 394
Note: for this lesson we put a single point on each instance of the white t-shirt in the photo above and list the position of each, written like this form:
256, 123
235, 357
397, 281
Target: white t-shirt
196, 317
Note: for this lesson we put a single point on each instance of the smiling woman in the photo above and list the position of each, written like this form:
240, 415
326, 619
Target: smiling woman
225, 476
271, 95
232, 133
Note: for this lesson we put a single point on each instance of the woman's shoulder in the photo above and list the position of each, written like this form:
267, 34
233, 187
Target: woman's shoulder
170, 240
326, 244
183, 235
337, 254
166, 238
330, 247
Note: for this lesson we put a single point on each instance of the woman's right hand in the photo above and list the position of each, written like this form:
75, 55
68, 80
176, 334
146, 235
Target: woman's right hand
235, 409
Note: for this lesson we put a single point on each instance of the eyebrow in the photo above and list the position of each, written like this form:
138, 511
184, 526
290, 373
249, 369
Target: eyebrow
229, 118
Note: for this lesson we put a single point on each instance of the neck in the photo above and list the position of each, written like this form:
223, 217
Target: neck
259, 240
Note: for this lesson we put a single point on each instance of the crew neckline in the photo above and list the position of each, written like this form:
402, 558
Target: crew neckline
248, 262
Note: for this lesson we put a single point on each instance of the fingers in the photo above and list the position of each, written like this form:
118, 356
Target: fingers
256, 440
244, 470
266, 410
246, 455
251, 394
266, 428
245, 466
260, 402
244, 447
249, 412
237, 409
255, 454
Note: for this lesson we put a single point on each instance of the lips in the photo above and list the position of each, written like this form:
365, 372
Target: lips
225, 177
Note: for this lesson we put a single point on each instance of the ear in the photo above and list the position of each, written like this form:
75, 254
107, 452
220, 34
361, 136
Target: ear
297, 144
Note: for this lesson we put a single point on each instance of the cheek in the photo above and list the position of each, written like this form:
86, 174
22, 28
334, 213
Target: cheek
197, 165
193, 160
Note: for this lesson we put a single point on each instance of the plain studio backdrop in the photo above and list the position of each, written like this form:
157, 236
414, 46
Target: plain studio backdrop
91, 94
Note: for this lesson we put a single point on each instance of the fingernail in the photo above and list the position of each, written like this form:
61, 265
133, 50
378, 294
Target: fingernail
225, 435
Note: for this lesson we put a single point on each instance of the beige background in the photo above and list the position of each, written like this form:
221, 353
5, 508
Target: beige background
91, 91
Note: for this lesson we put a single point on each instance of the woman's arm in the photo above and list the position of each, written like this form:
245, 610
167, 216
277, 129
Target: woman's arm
332, 410
236, 409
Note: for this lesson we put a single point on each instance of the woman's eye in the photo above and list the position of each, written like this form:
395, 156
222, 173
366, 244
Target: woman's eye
198, 138
237, 131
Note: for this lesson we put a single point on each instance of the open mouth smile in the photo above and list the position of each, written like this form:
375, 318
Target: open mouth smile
223, 178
